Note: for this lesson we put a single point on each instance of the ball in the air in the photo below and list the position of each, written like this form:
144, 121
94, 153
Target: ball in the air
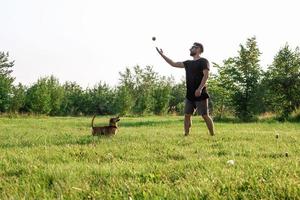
153, 38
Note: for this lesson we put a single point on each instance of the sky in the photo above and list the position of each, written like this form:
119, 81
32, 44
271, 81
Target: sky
91, 41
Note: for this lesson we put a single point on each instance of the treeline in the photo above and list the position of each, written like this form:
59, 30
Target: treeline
140, 91
240, 88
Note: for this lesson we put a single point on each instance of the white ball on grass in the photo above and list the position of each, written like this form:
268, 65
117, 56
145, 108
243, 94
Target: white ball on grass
230, 162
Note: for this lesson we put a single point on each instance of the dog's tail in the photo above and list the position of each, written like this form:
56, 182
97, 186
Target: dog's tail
93, 121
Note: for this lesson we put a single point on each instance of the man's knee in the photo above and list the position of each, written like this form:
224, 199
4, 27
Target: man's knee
187, 116
205, 116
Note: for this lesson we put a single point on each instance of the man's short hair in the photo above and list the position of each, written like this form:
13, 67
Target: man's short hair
197, 44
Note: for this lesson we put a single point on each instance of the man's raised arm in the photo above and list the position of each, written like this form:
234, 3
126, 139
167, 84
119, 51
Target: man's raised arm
168, 60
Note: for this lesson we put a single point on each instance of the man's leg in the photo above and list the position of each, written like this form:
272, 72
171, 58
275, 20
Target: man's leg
202, 108
188, 112
187, 124
209, 123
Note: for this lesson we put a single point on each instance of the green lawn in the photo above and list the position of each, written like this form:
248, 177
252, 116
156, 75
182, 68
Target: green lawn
149, 158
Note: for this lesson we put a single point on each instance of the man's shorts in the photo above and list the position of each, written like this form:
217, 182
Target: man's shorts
200, 106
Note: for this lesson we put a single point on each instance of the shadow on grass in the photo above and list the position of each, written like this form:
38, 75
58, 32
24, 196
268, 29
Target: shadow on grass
274, 155
234, 120
148, 123
82, 140
270, 120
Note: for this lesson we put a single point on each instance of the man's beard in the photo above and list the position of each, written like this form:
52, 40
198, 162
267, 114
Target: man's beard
192, 53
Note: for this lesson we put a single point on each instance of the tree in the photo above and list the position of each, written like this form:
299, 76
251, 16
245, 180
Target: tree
56, 95
45, 96
283, 82
241, 76
38, 98
161, 95
6, 81
72, 103
101, 100
177, 96
145, 80
220, 96
124, 94
17, 101
123, 100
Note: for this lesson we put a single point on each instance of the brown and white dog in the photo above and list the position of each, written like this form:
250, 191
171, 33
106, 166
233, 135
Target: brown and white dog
109, 130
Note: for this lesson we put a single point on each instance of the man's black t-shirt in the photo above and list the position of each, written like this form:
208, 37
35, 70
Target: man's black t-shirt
194, 74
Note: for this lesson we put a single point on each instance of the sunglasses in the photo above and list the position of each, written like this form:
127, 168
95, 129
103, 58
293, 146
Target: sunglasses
194, 47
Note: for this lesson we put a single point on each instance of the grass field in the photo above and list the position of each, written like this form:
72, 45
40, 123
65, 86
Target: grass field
57, 158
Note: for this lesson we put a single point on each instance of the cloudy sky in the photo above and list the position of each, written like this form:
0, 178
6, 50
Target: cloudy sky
91, 41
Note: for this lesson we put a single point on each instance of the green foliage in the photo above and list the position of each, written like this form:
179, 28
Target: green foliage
100, 100
221, 92
176, 103
6, 81
125, 94
282, 82
72, 103
142, 91
123, 100
161, 96
241, 77
45, 96
56, 95
17, 101
38, 97
145, 80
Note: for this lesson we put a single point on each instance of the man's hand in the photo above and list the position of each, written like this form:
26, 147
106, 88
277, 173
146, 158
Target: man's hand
160, 51
198, 92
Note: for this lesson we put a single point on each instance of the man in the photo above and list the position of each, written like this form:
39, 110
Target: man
197, 71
